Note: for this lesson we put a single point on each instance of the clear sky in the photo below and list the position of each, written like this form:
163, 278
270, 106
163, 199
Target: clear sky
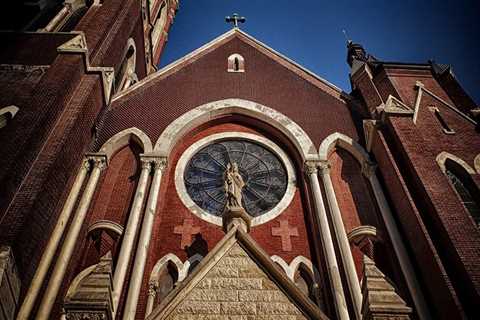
310, 32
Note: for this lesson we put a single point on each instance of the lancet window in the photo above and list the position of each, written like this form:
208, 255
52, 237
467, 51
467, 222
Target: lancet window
465, 188
126, 76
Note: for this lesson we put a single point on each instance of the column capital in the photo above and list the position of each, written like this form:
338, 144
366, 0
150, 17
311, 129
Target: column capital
324, 167
368, 168
98, 160
159, 163
86, 165
145, 163
310, 167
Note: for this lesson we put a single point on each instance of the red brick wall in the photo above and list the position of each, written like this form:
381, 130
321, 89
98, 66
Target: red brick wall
161, 100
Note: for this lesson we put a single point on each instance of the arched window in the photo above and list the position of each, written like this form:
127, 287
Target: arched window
235, 63
462, 183
125, 75
458, 173
7, 114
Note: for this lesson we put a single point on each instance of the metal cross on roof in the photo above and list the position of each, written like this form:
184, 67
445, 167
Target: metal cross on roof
235, 18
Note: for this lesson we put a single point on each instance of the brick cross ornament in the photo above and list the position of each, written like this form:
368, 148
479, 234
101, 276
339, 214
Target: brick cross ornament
187, 230
285, 232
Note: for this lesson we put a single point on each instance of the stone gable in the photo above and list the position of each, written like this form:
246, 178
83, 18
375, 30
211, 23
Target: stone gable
236, 288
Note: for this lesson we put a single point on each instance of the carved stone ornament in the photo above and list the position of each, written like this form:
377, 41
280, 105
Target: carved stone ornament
159, 163
99, 161
311, 167
76, 44
324, 167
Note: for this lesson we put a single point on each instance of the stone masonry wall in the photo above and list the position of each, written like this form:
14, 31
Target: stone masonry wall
236, 288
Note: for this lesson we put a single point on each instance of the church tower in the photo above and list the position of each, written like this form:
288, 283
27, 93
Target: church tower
230, 184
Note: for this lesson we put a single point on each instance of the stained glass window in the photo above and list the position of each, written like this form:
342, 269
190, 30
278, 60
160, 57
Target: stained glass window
264, 175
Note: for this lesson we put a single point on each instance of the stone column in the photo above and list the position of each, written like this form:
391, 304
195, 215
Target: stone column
130, 233
99, 162
406, 266
159, 165
342, 240
152, 293
327, 243
53, 242
59, 17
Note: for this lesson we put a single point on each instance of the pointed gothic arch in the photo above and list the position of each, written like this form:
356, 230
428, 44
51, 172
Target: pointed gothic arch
7, 114
125, 75
163, 271
476, 163
444, 156
345, 142
204, 113
459, 175
123, 138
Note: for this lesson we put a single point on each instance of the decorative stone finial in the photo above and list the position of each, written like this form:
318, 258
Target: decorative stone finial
380, 299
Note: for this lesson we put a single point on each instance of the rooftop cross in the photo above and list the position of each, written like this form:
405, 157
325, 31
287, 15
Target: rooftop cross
235, 18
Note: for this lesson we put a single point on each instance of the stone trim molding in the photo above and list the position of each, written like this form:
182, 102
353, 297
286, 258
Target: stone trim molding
182, 268
292, 268
345, 142
476, 163
78, 45
122, 139
443, 156
10, 109
361, 232
105, 225
370, 128
204, 113
421, 87
202, 214
395, 107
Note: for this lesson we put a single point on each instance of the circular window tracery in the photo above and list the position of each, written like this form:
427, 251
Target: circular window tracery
265, 169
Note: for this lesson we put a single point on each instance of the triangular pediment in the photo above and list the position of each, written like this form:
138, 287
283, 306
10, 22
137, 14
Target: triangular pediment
237, 279
236, 33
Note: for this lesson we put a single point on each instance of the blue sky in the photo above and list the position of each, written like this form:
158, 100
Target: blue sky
310, 32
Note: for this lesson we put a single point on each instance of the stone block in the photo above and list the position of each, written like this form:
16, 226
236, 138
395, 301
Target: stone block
277, 308
198, 308
262, 296
213, 295
238, 308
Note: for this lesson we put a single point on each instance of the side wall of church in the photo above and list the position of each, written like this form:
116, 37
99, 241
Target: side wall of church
415, 147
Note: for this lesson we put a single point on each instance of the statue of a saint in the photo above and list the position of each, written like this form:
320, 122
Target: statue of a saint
233, 186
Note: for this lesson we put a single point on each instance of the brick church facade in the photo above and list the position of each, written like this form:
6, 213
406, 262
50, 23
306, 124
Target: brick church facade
230, 184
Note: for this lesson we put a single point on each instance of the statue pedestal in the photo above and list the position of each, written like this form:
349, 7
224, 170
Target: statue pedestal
236, 216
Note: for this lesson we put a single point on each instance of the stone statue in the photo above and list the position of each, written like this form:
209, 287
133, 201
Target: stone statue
233, 186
